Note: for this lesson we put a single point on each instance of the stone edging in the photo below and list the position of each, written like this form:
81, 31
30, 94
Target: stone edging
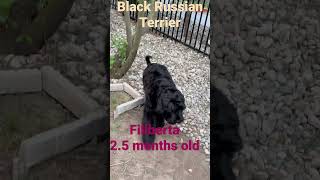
138, 99
92, 118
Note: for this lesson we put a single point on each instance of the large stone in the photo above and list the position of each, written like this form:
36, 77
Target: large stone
128, 89
20, 81
66, 93
80, 131
116, 87
62, 139
128, 105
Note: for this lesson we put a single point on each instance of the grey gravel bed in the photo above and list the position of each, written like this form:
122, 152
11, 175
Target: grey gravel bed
189, 69
266, 59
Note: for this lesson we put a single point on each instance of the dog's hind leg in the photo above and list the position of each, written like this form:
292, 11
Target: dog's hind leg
147, 119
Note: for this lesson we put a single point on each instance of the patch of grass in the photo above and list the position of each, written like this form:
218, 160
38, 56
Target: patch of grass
24, 116
10, 131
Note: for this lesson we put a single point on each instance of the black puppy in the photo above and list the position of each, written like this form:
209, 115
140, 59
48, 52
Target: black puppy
163, 101
226, 139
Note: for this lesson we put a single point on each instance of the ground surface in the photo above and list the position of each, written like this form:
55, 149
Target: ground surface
117, 98
83, 163
76, 49
161, 165
190, 71
23, 116
142, 164
266, 59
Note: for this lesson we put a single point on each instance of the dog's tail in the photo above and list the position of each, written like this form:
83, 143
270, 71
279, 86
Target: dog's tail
148, 60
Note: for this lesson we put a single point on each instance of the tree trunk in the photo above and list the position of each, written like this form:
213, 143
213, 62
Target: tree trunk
133, 43
120, 72
38, 30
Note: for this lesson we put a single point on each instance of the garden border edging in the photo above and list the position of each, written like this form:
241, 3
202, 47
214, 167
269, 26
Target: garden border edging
137, 98
91, 116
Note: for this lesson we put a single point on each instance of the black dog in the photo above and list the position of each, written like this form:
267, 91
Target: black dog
226, 139
163, 101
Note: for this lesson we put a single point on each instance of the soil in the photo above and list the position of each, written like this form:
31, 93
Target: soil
83, 163
118, 98
23, 116
153, 164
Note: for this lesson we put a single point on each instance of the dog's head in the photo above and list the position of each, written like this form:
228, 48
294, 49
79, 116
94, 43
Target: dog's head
171, 105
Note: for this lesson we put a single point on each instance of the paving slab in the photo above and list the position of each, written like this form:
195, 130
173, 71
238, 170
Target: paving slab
132, 92
128, 106
58, 140
116, 87
20, 81
66, 93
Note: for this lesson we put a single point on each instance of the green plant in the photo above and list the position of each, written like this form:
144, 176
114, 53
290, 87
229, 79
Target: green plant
112, 60
206, 5
41, 4
133, 39
5, 6
9, 131
24, 38
121, 45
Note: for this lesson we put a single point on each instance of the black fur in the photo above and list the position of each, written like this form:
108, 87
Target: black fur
163, 101
226, 139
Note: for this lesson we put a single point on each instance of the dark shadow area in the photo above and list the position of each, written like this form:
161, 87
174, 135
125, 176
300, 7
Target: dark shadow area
265, 59
71, 37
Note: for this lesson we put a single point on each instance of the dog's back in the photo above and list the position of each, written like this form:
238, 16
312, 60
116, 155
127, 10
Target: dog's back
156, 72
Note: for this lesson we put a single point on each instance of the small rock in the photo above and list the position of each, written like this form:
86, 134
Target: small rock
206, 151
17, 62
265, 29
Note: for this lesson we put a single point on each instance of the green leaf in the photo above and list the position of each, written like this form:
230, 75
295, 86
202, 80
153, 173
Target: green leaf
112, 61
5, 6
24, 38
121, 45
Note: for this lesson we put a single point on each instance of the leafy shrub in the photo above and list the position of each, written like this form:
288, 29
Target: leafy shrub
112, 60
41, 4
5, 6
24, 39
120, 43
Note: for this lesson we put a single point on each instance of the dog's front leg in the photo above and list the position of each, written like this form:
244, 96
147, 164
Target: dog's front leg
159, 120
222, 168
148, 120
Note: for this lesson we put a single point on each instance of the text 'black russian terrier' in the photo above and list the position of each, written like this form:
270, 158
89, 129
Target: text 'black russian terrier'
163, 101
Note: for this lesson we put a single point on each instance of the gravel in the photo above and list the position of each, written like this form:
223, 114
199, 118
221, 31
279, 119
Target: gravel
76, 49
190, 71
269, 68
